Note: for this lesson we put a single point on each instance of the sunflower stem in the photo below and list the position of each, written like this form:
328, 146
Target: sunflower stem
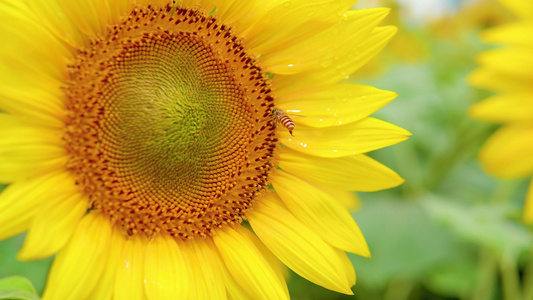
398, 289
484, 289
465, 144
528, 280
511, 282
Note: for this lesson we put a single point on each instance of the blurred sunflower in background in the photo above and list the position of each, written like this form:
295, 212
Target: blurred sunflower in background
508, 71
139, 143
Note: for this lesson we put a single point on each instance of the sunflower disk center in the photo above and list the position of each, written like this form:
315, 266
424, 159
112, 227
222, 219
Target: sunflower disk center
169, 125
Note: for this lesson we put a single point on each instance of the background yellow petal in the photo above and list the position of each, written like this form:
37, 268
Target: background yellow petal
504, 108
528, 205
206, 277
317, 210
496, 81
104, 288
297, 246
77, 268
129, 283
53, 226
507, 153
354, 173
248, 266
354, 138
333, 106
340, 67
20, 201
515, 34
166, 274
522, 8
514, 61
27, 151
292, 21
322, 49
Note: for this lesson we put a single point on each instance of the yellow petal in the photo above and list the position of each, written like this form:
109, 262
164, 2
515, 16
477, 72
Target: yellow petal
347, 199
516, 34
353, 173
78, 267
292, 21
248, 266
241, 14
20, 201
528, 205
205, 269
165, 271
41, 52
340, 67
278, 267
233, 290
32, 67
349, 271
50, 15
52, 226
504, 108
297, 246
90, 17
517, 62
28, 94
336, 105
522, 8
104, 288
354, 138
32, 105
27, 151
317, 210
341, 39
129, 284
507, 153
497, 81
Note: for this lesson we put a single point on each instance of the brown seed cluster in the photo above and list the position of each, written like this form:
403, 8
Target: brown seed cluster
169, 123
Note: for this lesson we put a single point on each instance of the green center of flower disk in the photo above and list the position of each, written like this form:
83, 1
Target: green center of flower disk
169, 123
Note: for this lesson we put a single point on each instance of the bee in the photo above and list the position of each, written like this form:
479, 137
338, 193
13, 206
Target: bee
282, 118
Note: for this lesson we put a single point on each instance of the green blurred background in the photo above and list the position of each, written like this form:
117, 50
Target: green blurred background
450, 231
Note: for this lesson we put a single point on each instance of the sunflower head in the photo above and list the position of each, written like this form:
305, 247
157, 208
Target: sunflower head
169, 130
153, 129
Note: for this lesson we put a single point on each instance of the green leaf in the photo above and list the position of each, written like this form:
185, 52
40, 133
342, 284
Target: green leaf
404, 241
453, 278
36, 271
486, 225
17, 287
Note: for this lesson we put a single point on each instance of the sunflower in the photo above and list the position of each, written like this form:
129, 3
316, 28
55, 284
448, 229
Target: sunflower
508, 71
140, 146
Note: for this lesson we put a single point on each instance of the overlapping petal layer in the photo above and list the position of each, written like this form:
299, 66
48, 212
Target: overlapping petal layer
298, 247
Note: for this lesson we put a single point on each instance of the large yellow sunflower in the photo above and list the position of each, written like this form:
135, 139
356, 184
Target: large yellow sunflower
138, 136
508, 71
